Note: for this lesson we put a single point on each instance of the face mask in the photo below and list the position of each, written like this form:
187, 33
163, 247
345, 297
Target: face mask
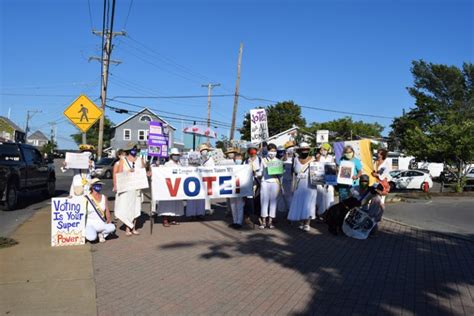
97, 187
252, 152
304, 155
271, 154
324, 152
363, 185
264, 152
133, 153
349, 155
204, 153
238, 161
280, 154
175, 158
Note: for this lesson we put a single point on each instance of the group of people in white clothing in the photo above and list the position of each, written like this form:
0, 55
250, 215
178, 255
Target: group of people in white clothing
280, 185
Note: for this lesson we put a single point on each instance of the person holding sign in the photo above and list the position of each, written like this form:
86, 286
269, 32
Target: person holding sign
345, 189
128, 204
272, 170
82, 177
171, 209
303, 204
97, 213
325, 191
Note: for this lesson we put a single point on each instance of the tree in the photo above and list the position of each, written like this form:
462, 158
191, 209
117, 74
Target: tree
223, 143
345, 129
92, 134
440, 128
48, 148
280, 117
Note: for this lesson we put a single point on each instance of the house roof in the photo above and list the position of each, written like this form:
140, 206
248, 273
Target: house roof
10, 122
284, 132
141, 112
38, 135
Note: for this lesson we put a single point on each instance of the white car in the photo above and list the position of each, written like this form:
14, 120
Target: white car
410, 179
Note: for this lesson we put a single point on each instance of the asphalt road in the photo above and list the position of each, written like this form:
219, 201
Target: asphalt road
452, 215
31, 202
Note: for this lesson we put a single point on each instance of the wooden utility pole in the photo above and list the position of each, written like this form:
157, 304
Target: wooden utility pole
236, 96
209, 87
28, 117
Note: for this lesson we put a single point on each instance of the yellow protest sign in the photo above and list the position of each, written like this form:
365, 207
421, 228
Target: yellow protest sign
83, 113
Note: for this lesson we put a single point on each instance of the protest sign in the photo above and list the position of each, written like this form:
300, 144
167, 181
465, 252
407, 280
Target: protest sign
129, 181
258, 126
217, 155
68, 221
346, 171
357, 224
192, 183
275, 167
77, 160
316, 173
157, 140
330, 173
362, 151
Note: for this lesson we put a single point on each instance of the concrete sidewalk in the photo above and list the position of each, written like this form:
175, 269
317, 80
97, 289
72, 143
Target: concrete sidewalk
36, 279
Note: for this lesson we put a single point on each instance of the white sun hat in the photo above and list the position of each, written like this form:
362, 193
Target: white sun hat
175, 151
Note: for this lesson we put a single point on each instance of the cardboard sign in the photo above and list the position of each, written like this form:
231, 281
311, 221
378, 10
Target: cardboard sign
330, 173
322, 136
217, 155
358, 224
346, 171
258, 126
158, 140
194, 183
77, 160
275, 167
68, 221
130, 181
316, 173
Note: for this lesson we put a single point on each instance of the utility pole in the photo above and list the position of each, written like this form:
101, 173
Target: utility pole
236, 96
28, 117
52, 135
209, 87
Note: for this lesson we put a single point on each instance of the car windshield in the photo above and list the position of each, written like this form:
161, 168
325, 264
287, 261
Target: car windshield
105, 161
394, 173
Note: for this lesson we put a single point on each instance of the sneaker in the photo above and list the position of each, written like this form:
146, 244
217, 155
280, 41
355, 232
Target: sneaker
261, 227
301, 227
101, 238
306, 228
271, 226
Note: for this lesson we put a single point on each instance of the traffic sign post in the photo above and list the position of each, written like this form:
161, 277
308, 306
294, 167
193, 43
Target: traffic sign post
83, 113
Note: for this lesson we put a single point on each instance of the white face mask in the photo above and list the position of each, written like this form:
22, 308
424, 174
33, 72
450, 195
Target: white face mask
271, 154
324, 152
175, 158
238, 161
204, 153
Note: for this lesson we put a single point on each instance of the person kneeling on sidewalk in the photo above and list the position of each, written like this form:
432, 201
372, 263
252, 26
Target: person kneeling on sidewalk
97, 214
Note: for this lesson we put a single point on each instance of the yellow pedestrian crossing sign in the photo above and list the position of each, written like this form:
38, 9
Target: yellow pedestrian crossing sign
83, 113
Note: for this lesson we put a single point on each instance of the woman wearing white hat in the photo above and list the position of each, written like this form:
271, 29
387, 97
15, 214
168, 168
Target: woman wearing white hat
303, 204
171, 208
97, 214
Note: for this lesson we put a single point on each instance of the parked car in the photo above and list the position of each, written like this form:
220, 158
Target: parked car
410, 179
23, 169
104, 167
470, 176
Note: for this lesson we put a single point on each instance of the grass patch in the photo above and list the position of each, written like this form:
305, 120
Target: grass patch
6, 242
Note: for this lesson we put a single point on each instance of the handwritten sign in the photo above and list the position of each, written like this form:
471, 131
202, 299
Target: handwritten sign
358, 224
68, 221
316, 173
192, 183
258, 125
157, 140
346, 171
77, 160
130, 181
275, 167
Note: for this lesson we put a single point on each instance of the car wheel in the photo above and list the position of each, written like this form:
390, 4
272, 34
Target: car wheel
392, 186
11, 201
108, 174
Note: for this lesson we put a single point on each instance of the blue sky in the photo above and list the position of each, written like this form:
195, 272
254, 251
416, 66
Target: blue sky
340, 55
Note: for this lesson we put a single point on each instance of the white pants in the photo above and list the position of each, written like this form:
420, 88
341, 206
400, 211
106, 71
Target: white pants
325, 198
237, 207
95, 227
269, 198
195, 207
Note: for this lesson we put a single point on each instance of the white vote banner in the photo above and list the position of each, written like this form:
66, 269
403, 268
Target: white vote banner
193, 183
68, 221
77, 160
345, 173
258, 126
129, 181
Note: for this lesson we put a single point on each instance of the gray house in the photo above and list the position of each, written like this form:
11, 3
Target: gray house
135, 129
37, 139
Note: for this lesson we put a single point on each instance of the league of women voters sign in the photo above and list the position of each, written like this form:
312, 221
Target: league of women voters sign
193, 183
68, 221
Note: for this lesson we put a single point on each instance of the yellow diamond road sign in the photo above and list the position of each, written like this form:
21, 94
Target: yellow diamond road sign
83, 113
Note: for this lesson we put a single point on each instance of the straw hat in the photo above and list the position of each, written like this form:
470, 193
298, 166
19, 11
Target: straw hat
86, 147
231, 150
204, 147
289, 144
96, 181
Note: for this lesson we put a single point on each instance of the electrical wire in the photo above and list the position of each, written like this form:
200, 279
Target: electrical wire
90, 14
128, 15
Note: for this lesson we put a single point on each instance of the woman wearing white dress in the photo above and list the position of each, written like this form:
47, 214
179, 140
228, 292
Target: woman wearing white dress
382, 168
97, 214
171, 209
325, 192
303, 204
81, 179
269, 191
237, 203
128, 204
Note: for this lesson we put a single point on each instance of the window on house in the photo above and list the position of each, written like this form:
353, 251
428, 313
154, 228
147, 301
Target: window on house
145, 118
141, 135
127, 134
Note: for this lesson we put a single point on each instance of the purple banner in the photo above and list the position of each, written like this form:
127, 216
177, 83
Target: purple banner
157, 140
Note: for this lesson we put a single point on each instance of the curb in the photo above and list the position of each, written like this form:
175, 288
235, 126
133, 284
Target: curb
428, 231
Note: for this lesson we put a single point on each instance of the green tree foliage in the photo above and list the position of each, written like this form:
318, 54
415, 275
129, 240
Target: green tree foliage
346, 129
280, 116
93, 134
440, 128
48, 148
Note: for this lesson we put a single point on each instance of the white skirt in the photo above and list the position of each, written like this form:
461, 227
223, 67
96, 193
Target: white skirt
128, 206
303, 203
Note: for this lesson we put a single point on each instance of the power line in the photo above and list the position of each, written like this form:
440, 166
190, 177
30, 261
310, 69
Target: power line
128, 15
90, 13
170, 96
